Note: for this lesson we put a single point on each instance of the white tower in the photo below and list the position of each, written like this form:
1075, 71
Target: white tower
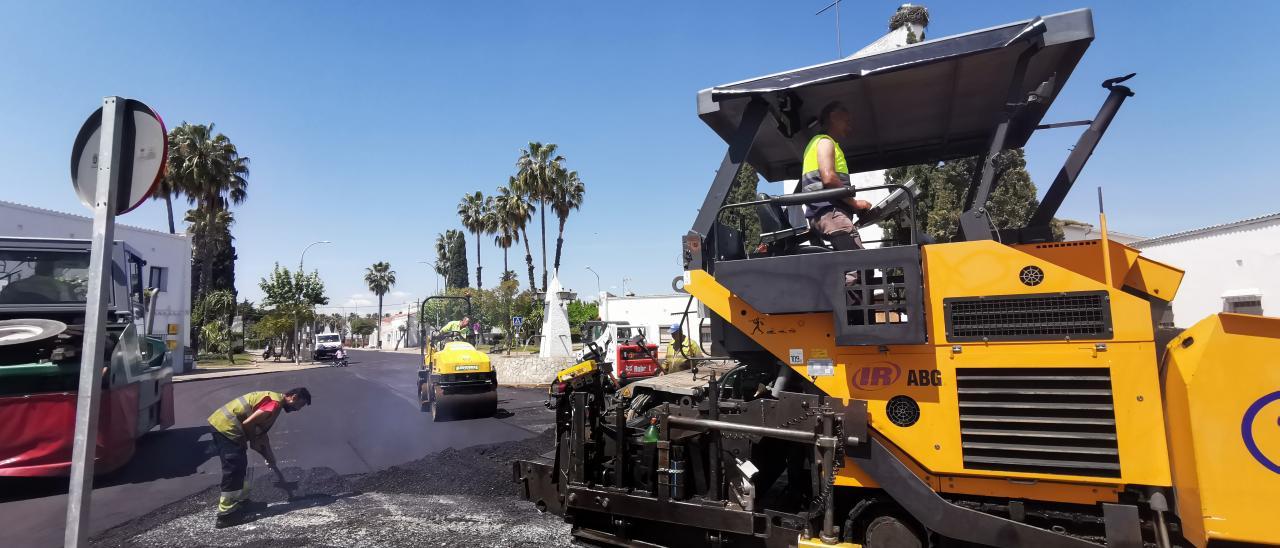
556, 339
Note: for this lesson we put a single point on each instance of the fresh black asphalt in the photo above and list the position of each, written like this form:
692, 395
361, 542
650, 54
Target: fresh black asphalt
364, 418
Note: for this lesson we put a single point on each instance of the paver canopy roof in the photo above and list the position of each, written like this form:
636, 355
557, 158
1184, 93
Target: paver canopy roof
930, 101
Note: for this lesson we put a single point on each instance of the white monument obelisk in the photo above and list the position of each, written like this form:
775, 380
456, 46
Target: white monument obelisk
556, 339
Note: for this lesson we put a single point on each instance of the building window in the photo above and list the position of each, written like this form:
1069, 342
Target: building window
1243, 304
158, 278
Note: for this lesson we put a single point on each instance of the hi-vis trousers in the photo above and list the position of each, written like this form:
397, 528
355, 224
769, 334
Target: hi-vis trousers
235, 461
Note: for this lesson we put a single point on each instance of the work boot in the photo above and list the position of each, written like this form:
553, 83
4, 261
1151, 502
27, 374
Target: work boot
230, 519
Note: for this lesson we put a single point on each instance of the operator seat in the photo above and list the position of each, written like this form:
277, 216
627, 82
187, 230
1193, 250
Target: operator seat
783, 238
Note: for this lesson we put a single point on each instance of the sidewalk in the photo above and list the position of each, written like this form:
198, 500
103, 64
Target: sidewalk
257, 366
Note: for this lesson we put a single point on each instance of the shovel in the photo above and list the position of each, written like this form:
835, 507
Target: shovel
288, 486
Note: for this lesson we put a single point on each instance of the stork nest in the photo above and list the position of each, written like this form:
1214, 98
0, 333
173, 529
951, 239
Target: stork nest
908, 13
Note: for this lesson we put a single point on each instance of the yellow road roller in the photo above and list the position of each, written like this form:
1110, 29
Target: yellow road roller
455, 380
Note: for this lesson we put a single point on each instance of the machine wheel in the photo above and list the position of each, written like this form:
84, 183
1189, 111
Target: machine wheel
890, 532
423, 404
437, 414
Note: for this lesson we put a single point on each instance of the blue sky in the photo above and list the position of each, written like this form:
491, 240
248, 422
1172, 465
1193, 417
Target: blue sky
367, 122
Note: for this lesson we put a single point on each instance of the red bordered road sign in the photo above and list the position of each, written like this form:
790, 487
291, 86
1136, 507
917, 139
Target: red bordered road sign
140, 170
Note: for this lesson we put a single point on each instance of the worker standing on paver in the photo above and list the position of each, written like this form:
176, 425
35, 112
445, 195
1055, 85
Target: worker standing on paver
680, 350
825, 168
242, 424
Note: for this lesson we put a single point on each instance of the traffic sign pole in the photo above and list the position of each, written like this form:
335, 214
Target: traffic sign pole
110, 156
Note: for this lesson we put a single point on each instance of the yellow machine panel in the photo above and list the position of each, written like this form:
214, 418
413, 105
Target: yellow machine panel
1222, 385
458, 357
1121, 367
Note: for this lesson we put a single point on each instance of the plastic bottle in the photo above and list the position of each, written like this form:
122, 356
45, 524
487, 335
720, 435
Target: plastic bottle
651, 433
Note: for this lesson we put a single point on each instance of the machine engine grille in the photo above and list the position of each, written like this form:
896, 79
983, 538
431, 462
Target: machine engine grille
1040, 420
1047, 316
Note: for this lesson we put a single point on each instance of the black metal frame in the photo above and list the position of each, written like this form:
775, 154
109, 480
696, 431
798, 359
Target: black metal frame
948, 302
422, 312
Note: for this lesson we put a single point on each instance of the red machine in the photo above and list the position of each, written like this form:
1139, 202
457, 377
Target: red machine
636, 359
42, 307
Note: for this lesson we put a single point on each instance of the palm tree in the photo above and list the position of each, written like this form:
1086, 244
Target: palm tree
441, 266
537, 169
380, 279
508, 233
566, 196
518, 211
210, 235
206, 167
476, 212
167, 189
209, 170
220, 306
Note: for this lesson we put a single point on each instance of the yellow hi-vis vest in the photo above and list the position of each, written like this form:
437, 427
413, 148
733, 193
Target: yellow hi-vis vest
811, 179
228, 419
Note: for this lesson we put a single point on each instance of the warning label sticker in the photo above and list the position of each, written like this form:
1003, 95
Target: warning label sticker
797, 356
821, 367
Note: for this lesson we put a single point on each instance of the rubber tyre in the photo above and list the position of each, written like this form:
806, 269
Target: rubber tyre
437, 414
890, 532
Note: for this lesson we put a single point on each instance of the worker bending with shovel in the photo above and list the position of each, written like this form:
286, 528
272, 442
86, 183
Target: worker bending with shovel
242, 424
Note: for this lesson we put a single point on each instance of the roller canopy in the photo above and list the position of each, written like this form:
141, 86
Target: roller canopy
931, 101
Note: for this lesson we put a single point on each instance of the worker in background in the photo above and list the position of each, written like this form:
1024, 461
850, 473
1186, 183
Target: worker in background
824, 168
456, 326
680, 350
242, 424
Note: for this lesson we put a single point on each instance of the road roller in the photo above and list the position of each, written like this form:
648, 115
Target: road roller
455, 381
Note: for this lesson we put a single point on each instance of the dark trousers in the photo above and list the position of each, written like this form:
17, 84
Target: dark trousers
235, 461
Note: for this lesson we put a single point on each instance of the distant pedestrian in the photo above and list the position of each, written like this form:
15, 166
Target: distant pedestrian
242, 424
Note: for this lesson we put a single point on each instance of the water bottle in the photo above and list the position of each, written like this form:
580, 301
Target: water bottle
651, 433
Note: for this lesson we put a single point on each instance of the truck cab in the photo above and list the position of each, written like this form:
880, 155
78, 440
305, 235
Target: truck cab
43, 288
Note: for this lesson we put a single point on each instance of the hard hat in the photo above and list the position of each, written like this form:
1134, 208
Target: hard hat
675, 328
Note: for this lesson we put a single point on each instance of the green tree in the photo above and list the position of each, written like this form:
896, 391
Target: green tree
506, 225
744, 219
380, 279
215, 307
476, 212
457, 260
581, 312
213, 256
291, 296
208, 169
362, 326
537, 169
566, 196
515, 206
943, 188
441, 266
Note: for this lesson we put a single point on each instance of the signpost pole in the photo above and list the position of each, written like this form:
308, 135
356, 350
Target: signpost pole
110, 154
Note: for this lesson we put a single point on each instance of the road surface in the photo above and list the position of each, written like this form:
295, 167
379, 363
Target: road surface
364, 418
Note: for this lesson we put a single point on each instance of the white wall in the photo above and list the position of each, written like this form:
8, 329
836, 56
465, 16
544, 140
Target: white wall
161, 249
1077, 231
655, 313
1219, 263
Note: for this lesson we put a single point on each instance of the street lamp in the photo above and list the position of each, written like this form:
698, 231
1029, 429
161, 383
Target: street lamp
297, 339
435, 266
597, 281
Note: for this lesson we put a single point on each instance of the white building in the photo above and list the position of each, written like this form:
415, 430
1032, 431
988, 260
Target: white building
399, 330
1233, 267
1073, 231
168, 259
656, 313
